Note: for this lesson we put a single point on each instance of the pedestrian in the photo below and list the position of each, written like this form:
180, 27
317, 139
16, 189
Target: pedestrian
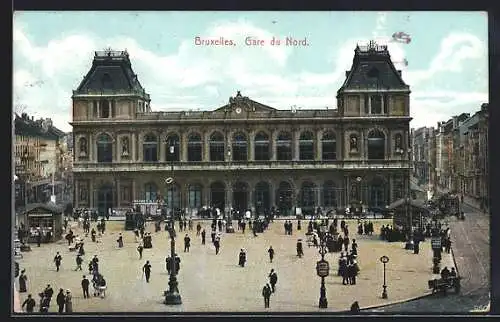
93, 234
139, 249
190, 224
243, 226
354, 247
48, 292
271, 253
346, 243
29, 303
120, 241
266, 293
85, 287
300, 250
299, 227
61, 300
343, 269
22, 282
217, 245
273, 279
355, 271
91, 267
203, 233
198, 229
448, 245
242, 258
79, 262
355, 308
38, 237
147, 270
69, 302
187, 243
57, 260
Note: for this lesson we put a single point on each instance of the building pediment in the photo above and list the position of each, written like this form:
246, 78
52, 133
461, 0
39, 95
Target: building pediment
240, 104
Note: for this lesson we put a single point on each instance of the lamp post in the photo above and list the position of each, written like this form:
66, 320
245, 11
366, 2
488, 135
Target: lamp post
384, 259
172, 296
360, 192
229, 227
322, 269
409, 214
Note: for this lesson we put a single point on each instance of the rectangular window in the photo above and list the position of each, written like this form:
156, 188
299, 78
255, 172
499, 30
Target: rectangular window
367, 107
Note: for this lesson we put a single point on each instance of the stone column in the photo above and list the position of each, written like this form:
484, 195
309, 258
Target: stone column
206, 147
140, 154
318, 194
229, 147
251, 145
318, 147
229, 195
369, 104
295, 145
90, 147
118, 193
184, 146
91, 193
77, 193
251, 201
206, 195
272, 141
272, 195
382, 102
347, 193
134, 191
162, 148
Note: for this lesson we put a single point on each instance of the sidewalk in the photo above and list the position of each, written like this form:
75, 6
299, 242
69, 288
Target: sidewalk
474, 204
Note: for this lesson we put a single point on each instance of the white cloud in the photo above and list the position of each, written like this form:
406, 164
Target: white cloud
197, 77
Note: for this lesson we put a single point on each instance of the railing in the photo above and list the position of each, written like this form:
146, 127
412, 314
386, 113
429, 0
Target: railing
239, 165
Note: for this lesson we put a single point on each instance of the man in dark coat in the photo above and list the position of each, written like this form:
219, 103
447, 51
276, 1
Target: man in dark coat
243, 226
79, 262
61, 299
38, 238
203, 233
217, 245
187, 243
48, 292
140, 249
85, 287
242, 258
346, 243
266, 293
271, 253
198, 229
29, 303
300, 250
57, 260
273, 279
343, 269
147, 270
212, 234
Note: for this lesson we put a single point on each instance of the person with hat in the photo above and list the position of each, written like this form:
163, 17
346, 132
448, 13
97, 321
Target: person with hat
48, 292
29, 303
61, 300
266, 293
57, 260
203, 234
242, 258
217, 244
273, 279
120, 241
139, 249
343, 269
22, 282
300, 250
147, 270
85, 287
69, 302
271, 253
187, 243
79, 262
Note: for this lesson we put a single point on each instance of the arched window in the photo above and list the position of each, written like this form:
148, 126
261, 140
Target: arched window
377, 196
376, 104
150, 192
307, 195
172, 141
104, 148
218, 195
306, 146
262, 147
194, 147
173, 196
284, 146
329, 194
329, 146
217, 147
240, 147
105, 109
150, 148
195, 196
376, 145
82, 143
398, 143
262, 196
284, 197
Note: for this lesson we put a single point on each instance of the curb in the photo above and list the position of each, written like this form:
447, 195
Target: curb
428, 294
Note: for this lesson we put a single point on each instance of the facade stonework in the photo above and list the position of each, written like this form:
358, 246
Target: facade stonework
245, 154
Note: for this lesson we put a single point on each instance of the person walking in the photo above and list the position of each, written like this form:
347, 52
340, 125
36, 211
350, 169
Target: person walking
29, 303
273, 279
355, 308
120, 241
198, 229
212, 234
38, 238
147, 270
22, 282
69, 302
61, 300
187, 243
139, 250
79, 262
266, 293
271, 253
300, 250
57, 260
48, 292
203, 233
217, 245
85, 287
242, 258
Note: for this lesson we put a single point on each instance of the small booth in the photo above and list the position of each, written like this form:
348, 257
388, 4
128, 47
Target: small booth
417, 207
43, 219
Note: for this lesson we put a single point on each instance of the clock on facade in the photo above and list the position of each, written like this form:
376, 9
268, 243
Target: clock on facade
238, 110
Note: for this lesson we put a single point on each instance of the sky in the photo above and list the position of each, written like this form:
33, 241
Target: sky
447, 58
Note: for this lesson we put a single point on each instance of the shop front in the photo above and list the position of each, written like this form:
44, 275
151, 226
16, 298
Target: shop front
44, 220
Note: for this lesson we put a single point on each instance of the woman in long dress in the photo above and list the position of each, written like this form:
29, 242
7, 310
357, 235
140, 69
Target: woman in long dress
68, 302
22, 282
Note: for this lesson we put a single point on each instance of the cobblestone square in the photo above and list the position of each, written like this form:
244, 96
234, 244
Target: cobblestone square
210, 282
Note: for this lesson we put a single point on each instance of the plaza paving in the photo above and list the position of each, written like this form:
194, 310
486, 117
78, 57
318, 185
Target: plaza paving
211, 283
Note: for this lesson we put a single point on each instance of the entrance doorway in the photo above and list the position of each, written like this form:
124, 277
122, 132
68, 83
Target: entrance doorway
262, 197
104, 199
240, 196
218, 195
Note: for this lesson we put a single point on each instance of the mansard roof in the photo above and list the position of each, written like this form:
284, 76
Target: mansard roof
111, 72
372, 68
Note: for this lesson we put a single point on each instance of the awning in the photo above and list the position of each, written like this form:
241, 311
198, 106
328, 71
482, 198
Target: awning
39, 215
